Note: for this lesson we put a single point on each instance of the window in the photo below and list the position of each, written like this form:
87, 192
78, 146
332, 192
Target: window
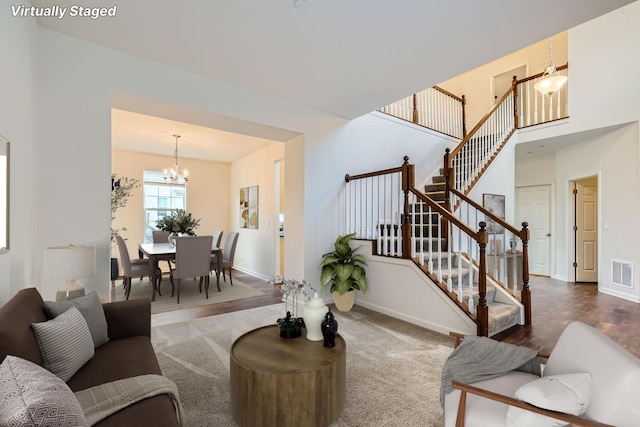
160, 199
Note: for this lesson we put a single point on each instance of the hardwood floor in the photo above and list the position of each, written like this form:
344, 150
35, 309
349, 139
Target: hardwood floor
555, 305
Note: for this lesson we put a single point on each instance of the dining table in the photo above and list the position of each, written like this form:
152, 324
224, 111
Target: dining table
165, 251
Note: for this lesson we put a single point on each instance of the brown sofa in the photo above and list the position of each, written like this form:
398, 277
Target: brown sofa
128, 353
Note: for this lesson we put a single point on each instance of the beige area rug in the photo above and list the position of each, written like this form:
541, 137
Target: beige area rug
189, 293
393, 367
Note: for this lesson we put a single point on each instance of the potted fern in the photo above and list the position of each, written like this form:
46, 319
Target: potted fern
343, 270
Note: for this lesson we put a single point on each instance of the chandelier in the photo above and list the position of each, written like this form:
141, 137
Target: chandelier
551, 81
172, 175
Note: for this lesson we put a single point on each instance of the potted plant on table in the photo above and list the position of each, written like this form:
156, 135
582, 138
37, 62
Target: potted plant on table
292, 290
343, 270
179, 222
121, 189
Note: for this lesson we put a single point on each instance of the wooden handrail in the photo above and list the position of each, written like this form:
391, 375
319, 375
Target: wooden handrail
507, 400
536, 76
481, 122
446, 92
486, 212
348, 177
445, 213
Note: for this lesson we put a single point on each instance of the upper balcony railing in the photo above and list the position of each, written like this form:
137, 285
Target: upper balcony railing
433, 108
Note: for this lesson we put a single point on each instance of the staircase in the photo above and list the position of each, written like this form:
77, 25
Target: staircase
454, 270
446, 233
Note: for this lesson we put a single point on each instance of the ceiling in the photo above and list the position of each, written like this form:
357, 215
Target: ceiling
342, 57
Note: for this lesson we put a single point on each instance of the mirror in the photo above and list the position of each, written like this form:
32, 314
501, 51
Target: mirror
4, 195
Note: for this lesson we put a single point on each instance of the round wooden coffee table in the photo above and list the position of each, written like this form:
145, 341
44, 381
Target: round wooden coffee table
286, 382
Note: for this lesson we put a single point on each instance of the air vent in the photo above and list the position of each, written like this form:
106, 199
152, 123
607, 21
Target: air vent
622, 273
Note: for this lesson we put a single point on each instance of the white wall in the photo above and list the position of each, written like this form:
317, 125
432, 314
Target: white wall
255, 252
399, 289
613, 158
17, 46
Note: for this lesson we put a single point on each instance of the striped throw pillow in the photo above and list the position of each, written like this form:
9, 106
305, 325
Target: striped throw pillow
65, 343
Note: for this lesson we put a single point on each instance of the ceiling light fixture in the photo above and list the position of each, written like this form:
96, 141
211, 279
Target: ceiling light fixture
172, 174
551, 81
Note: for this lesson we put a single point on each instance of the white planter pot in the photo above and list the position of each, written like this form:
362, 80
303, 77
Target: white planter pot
345, 301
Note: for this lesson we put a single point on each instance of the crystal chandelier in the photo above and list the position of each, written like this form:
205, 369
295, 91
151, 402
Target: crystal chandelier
551, 81
172, 175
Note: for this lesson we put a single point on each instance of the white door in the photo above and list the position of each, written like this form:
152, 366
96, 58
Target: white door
587, 230
533, 205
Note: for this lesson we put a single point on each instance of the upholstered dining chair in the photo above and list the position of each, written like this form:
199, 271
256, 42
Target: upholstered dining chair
228, 253
134, 268
193, 257
160, 236
217, 238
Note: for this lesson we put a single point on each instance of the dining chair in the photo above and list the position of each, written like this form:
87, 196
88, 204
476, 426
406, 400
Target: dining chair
217, 238
160, 236
134, 268
228, 253
193, 257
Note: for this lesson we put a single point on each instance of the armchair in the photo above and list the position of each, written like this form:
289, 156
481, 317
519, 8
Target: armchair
614, 387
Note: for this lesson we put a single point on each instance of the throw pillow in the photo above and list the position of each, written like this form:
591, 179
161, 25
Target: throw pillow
91, 309
568, 393
32, 396
65, 343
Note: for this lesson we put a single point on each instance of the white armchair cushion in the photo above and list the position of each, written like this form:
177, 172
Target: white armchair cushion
568, 393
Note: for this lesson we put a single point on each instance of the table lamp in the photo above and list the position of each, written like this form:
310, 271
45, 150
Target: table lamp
69, 263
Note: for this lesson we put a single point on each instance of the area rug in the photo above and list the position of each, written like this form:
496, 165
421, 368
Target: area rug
393, 367
190, 295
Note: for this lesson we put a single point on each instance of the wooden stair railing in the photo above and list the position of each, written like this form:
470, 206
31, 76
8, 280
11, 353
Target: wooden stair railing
472, 157
385, 206
434, 108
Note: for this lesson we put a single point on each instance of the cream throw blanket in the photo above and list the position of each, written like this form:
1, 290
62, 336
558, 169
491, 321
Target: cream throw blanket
103, 400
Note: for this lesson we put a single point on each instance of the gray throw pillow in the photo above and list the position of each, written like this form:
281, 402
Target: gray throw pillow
65, 343
32, 396
91, 309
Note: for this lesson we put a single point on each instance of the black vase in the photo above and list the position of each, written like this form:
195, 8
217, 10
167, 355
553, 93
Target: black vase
329, 330
114, 268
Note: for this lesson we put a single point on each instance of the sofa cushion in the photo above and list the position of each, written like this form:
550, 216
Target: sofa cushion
91, 309
568, 393
117, 359
65, 343
16, 317
32, 396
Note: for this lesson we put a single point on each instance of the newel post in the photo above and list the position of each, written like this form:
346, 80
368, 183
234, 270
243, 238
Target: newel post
415, 109
525, 235
464, 117
482, 311
407, 185
514, 83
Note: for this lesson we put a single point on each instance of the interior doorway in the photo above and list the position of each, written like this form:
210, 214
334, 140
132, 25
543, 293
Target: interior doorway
585, 196
502, 82
533, 205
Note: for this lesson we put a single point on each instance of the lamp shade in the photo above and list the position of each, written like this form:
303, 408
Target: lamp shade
68, 263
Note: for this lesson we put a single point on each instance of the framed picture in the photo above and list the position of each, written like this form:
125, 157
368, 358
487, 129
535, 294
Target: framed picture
249, 207
494, 203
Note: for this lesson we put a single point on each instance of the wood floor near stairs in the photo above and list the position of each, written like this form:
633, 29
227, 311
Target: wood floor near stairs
555, 305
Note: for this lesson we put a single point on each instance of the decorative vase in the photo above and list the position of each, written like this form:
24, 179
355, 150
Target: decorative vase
329, 330
172, 239
345, 301
314, 313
